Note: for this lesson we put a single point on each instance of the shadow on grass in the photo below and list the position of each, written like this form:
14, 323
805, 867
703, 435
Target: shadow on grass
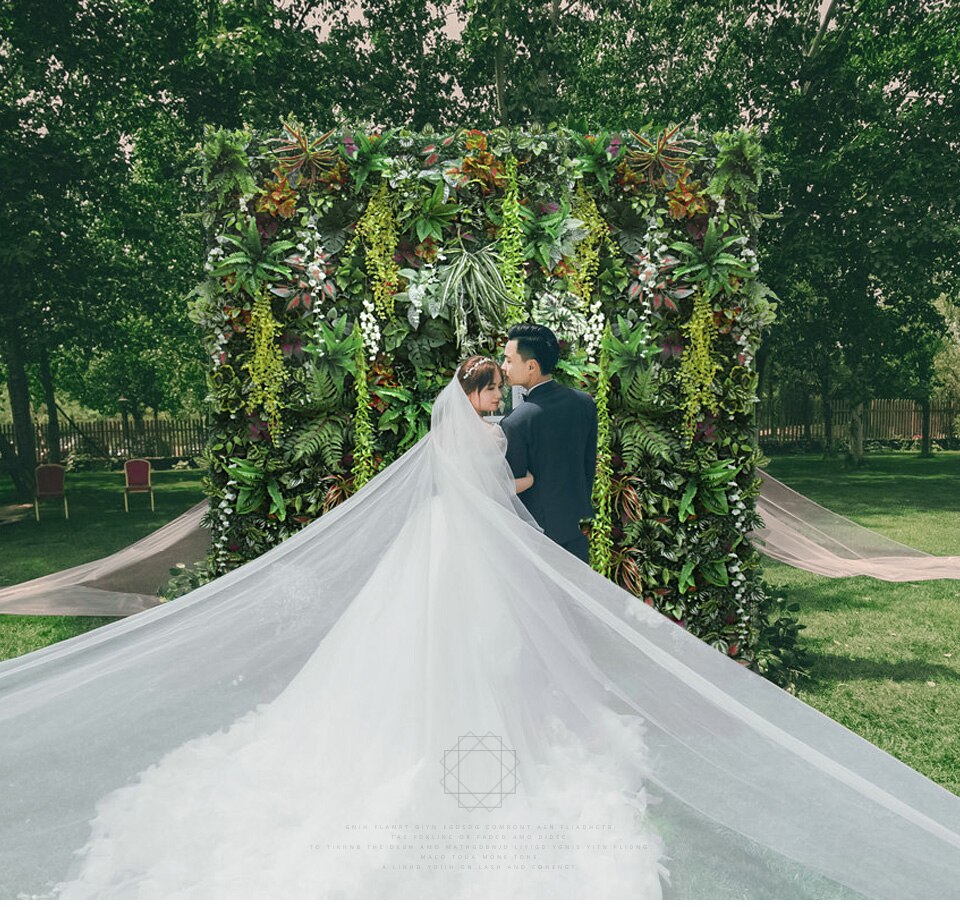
881, 488
838, 668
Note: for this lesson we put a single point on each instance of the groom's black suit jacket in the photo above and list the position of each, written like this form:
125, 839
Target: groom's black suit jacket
553, 434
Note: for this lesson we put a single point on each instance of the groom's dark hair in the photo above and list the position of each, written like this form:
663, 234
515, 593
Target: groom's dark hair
536, 342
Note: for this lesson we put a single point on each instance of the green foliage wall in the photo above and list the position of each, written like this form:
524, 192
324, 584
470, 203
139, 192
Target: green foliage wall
349, 273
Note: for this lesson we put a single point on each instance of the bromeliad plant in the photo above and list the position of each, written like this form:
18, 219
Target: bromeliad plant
254, 486
553, 235
433, 215
663, 160
599, 156
301, 159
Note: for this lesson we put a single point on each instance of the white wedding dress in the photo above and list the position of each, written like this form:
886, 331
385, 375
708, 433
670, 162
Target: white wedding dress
419, 695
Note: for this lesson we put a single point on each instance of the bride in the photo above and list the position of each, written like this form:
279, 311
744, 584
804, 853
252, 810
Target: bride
420, 695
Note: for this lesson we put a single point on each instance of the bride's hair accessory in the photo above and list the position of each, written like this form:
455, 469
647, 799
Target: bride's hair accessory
474, 366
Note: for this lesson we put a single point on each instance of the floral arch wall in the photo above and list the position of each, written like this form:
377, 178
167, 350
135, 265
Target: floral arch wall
349, 273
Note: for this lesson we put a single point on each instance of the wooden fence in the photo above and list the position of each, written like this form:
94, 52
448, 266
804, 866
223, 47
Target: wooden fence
116, 439
779, 419
794, 419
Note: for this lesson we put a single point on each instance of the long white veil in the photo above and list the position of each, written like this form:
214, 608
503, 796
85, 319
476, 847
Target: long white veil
753, 793
799, 532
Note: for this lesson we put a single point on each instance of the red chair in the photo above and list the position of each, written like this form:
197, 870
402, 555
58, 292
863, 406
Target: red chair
50, 485
136, 473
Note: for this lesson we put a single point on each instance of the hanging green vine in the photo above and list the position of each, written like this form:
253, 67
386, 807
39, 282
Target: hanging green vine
265, 365
363, 468
588, 250
512, 243
698, 367
378, 228
600, 536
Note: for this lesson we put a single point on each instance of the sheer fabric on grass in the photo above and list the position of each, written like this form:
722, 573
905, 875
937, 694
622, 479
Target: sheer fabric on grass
801, 533
326, 680
120, 584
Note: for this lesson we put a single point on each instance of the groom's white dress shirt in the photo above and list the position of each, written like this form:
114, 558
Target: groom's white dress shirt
522, 393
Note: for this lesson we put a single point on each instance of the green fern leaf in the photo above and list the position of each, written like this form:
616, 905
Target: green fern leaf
642, 440
331, 446
322, 390
323, 436
638, 393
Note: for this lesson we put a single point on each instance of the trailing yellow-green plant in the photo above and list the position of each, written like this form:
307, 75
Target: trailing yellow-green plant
265, 364
588, 250
511, 261
698, 366
378, 228
363, 467
602, 530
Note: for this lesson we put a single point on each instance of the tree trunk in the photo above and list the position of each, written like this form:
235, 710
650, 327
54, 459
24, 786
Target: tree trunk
501, 83
11, 463
23, 433
499, 63
826, 394
855, 456
925, 428
53, 415
138, 427
805, 416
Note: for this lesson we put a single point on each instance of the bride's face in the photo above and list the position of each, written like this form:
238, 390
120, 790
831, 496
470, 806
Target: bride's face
489, 397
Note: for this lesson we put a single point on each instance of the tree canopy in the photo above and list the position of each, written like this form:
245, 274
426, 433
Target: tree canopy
104, 102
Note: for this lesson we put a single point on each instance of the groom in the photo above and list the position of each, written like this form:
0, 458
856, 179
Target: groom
553, 434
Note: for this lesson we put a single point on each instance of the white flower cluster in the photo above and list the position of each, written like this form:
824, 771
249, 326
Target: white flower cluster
212, 318
217, 355
739, 511
421, 292
656, 252
593, 336
370, 329
744, 341
213, 254
222, 517
314, 263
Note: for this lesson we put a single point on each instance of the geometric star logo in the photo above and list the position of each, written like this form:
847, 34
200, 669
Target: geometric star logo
479, 772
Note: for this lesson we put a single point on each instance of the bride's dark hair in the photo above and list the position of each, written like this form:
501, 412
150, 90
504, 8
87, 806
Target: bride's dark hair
477, 372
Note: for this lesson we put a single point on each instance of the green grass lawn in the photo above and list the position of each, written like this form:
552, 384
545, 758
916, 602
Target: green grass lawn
886, 656
98, 526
